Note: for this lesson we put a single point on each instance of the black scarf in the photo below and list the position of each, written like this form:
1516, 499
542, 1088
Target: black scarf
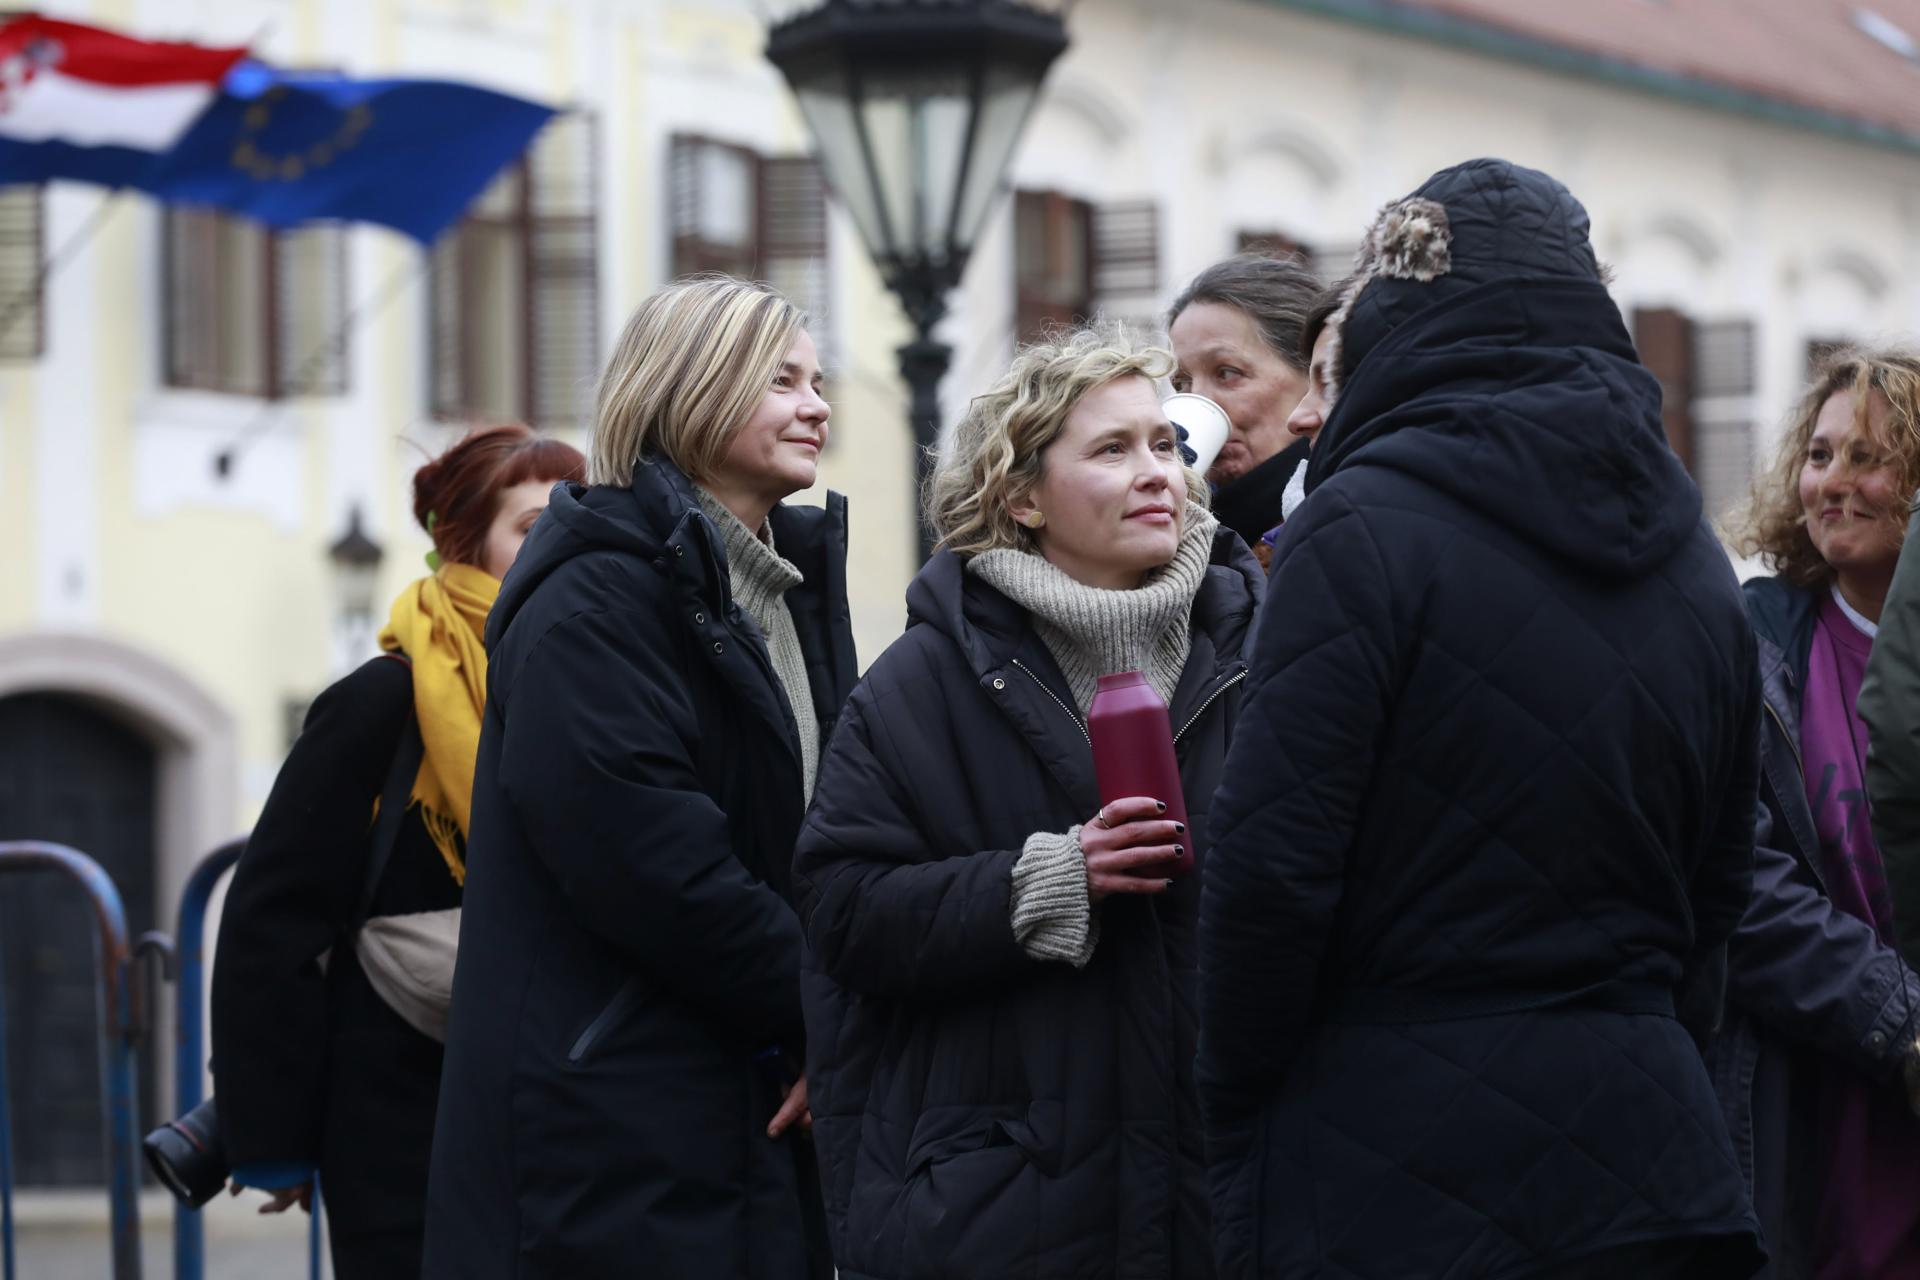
1251, 505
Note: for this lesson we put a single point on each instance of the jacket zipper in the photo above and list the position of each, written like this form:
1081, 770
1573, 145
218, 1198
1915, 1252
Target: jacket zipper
1212, 698
1078, 723
1081, 725
1791, 744
623, 1000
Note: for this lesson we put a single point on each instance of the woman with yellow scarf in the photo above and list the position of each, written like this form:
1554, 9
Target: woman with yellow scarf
337, 936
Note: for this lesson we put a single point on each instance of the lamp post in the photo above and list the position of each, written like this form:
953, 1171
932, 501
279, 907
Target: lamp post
916, 106
356, 577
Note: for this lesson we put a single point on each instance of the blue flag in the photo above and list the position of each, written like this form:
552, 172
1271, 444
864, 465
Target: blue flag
287, 147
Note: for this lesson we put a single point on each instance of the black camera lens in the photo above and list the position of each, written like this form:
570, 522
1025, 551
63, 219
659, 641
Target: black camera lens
187, 1155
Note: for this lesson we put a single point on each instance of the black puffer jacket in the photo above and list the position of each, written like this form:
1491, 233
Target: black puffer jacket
1493, 789
979, 1113
627, 954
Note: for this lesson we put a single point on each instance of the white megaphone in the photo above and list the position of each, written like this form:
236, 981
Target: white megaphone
1205, 423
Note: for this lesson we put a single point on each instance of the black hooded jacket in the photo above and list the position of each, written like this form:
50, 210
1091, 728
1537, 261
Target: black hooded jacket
980, 1113
1492, 794
629, 967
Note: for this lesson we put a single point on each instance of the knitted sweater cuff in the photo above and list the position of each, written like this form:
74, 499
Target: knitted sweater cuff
1052, 916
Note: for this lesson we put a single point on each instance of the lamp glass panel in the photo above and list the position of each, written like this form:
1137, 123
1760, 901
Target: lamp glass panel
942, 126
831, 118
1004, 107
917, 124
889, 124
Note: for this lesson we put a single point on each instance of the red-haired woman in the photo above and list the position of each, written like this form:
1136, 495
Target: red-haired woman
336, 939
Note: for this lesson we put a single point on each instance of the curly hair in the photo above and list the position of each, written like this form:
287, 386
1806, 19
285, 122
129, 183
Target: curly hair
1772, 524
995, 455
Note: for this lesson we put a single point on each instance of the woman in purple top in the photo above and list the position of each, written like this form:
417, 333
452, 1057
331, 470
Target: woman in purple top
1822, 1013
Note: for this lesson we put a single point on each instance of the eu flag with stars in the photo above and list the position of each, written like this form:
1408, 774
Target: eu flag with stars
287, 147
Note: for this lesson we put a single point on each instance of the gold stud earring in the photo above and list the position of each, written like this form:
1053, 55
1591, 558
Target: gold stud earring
1035, 519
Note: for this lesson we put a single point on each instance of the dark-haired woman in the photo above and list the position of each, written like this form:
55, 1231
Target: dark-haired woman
1235, 334
321, 1064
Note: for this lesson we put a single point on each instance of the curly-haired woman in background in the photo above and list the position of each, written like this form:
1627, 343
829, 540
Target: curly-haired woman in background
1823, 1011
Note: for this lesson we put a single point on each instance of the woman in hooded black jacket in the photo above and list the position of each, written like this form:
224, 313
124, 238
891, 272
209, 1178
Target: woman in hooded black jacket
1001, 1025
619, 1097
1491, 800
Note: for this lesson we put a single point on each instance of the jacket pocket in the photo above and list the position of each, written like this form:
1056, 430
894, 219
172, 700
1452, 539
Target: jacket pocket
941, 1133
624, 1001
975, 1177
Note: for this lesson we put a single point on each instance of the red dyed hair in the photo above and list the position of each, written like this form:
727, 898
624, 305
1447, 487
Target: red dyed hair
457, 495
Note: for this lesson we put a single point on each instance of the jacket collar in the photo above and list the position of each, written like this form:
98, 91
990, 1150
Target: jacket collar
996, 638
1784, 615
1783, 612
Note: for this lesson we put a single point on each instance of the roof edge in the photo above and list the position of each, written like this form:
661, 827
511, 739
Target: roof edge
1481, 37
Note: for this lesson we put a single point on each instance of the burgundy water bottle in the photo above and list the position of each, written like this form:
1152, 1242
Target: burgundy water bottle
1133, 754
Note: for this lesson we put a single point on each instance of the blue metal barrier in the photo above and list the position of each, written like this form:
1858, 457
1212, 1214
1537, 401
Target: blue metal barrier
190, 1056
189, 1032
118, 1017
6, 1145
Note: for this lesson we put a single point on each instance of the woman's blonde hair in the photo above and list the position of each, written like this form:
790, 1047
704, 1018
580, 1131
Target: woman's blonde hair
994, 458
688, 371
1772, 524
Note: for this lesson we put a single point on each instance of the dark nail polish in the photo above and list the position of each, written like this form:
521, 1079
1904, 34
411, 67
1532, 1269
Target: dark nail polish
1169, 884
1179, 828
1162, 804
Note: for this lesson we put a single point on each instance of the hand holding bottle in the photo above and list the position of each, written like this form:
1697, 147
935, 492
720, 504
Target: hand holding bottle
1123, 838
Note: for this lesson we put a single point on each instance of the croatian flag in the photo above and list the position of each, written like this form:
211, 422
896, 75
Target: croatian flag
82, 103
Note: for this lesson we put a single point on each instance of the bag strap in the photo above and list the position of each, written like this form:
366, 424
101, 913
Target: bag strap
393, 808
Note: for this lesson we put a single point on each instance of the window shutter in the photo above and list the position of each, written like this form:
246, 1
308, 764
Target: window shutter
1664, 338
481, 308
310, 305
1723, 358
563, 263
712, 195
22, 248
221, 326
1126, 255
1333, 263
1724, 381
190, 267
1052, 262
793, 238
1271, 244
447, 332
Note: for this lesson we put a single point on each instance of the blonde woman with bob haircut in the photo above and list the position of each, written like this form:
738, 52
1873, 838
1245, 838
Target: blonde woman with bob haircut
1822, 1011
623, 1091
1002, 1039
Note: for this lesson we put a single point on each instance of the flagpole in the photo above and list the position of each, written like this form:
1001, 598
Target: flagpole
334, 347
22, 301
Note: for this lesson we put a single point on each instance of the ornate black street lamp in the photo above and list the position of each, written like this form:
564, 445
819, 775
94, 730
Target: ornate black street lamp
916, 106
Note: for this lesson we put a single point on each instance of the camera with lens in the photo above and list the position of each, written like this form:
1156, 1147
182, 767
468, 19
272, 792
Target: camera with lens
188, 1156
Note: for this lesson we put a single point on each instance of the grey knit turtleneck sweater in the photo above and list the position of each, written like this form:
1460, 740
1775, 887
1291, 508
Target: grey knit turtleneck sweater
1092, 632
760, 581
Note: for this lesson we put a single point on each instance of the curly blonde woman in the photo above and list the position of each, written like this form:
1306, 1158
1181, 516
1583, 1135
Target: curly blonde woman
1002, 1037
1822, 1008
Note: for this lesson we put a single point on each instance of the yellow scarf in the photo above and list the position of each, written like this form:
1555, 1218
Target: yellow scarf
438, 623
